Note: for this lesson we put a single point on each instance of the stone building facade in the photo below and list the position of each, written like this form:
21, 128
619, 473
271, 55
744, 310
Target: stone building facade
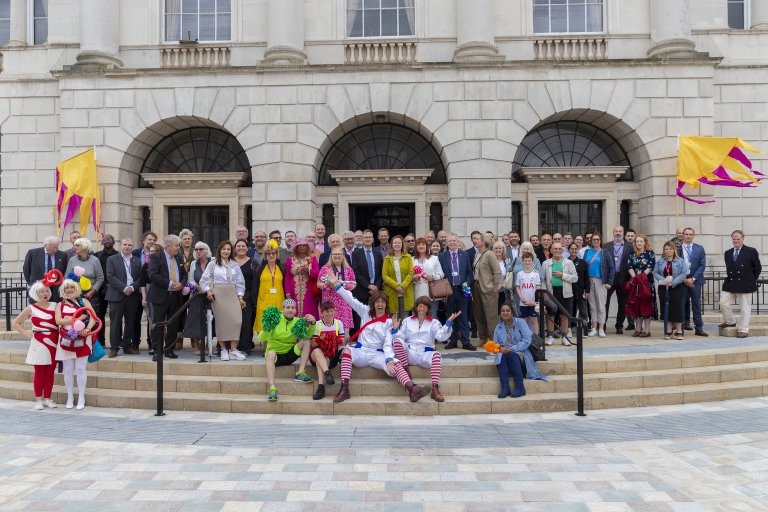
298, 83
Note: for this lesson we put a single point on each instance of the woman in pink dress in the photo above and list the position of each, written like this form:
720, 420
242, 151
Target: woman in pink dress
43, 340
300, 271
337, 265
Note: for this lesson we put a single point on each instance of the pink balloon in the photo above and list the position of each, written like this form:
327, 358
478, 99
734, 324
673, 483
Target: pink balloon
79, 271
185, 291
79, 325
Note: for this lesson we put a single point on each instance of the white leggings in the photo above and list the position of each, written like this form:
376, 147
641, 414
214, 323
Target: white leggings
70, 365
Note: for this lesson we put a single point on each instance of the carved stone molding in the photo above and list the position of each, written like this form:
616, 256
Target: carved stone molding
391, 177
193, 180
573, 174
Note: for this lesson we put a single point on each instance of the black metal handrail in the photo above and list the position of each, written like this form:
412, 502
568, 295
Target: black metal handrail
160, 346
7, 293
712, 292
580, 324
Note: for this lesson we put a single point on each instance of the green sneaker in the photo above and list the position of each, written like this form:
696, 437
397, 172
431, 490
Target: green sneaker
272, 394
303, 377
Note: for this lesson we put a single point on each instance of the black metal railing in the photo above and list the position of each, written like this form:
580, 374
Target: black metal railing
710, 292
160, 345
6, 297
16, 302
580, 326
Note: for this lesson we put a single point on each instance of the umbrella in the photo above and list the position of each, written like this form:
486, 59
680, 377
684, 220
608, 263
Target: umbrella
209, 319
666, 310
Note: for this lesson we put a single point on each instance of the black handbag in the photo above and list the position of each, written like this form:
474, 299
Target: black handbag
537, 347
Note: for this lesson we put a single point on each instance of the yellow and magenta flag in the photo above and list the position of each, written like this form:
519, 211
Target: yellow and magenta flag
78, 188
717, 161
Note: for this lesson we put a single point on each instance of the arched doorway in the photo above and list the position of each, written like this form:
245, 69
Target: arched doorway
574, 171
196, 173
380, 175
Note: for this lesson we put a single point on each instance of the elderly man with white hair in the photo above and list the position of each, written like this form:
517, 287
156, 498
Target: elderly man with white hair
43, 259
85, 258
168, 276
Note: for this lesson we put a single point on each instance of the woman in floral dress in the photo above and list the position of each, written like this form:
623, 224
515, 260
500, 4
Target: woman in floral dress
643, 259
337, 265
300, 271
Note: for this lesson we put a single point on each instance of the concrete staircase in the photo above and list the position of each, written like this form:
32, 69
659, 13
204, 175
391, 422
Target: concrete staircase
758, 326
470, 385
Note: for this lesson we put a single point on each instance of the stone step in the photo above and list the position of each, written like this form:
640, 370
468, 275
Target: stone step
754, 330
386, 386
400, 405
717, 318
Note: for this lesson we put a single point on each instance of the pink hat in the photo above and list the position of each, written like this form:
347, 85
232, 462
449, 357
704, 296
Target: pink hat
298, 242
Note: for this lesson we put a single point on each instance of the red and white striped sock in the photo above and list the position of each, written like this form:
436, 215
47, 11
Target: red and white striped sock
402, 376
436, 368
346, 366
401, 352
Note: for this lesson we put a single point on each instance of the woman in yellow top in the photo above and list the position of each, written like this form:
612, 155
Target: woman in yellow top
267, 288
397, 272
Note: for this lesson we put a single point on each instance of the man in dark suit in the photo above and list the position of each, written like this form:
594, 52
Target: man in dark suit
619, 251
39, 261
123, 270
366, 264
696, 258
457, 268
148, 239
743, 266
334, 241
168, 276
348, 240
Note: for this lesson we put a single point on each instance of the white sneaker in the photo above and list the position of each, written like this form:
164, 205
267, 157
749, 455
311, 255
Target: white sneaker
550, 341
39, 405
49, 403
224, 355
569, 334
80, 405
565, 341
601, 333
237, 356
592, 333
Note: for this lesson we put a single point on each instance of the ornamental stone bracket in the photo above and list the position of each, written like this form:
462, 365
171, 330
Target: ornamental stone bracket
193, 180
381, 177
603, 174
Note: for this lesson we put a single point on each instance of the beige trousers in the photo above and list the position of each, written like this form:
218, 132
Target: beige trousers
726, 306
486, 309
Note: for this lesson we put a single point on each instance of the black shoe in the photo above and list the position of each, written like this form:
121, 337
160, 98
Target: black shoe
631, 327
619, 330
154, 358
451, 345
320, 394
328, 380
469, 346
170, 354
688, 327
473, 334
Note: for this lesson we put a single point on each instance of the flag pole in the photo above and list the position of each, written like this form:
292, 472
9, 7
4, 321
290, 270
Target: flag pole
677, 197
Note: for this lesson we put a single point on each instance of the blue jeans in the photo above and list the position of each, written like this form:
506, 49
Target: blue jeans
694, 296
457, 302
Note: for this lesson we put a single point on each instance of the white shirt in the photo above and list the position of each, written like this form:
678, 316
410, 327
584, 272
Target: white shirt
503, 266
685, 249
223, 274
129, 279
424, 335
582, 252
528, 283
514, 252
375, 337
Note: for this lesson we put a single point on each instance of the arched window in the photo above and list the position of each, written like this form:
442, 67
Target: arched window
197, 150
382, 146
570, 144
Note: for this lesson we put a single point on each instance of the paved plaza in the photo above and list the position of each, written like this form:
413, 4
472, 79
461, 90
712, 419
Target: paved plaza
709, 456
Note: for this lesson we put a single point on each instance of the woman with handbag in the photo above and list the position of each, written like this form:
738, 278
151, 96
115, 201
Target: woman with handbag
500, 250
514, 358
74, 346
431, 270
642, 261
193, 327
397, 272
601, 273
670, 271
224, 283
44, 340
300, 282
435, 249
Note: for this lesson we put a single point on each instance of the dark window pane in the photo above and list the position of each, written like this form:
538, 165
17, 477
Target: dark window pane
5, 9
407, 22
736, 15
188, 6
207, 27
189, 25
559, 15
223, 6
41, 30
207, 6
576, 20
371, 4
594, 18
41, 8
172, 6
540, 19
371, 23
223, 27
389, 22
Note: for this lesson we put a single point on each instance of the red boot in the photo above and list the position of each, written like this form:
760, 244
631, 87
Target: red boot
416, 393
436, 396
343, 392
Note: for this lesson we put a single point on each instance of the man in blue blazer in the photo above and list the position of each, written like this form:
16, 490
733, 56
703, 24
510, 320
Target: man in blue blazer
458, 270
696, 258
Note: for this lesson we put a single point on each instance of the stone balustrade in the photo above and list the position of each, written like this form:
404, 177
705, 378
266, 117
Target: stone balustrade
195, 57
381, 53
570, 49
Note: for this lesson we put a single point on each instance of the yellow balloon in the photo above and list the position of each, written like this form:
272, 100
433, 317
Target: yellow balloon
85, 284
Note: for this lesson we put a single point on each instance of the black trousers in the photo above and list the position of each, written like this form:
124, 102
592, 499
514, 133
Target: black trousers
163, 311
622, 298
101, 312
124, 308
136, 339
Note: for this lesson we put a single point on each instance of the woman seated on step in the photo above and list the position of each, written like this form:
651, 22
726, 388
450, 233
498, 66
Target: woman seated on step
514, 358
415, 341
374, 345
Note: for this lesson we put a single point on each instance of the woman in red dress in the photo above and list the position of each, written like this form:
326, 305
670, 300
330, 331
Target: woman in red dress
44, 339
74, 358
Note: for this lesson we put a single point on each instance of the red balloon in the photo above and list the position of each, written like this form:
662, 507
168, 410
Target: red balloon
51, 278
81, 311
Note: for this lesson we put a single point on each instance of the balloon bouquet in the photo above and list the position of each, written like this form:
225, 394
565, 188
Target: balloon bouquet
74, 332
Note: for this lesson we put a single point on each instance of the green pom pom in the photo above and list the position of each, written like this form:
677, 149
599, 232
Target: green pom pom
299, 329
271, 318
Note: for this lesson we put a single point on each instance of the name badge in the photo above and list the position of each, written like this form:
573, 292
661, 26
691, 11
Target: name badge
272, 290
455, 273
616, 259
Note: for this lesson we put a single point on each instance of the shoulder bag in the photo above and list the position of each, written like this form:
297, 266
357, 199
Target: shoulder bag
537, 347
509, 280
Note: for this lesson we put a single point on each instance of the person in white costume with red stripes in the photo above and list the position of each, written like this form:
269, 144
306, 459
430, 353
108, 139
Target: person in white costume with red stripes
414, 342
374, 343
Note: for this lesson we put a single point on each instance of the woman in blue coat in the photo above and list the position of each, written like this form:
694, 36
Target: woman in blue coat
514, 336
670, 271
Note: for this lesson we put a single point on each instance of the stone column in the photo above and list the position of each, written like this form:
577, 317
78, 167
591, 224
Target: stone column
671, 28
18, 23
474, 32
634, 215
759, 14
285, 36
99, 34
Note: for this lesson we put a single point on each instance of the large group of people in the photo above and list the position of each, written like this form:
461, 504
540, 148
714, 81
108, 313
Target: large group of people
364, 305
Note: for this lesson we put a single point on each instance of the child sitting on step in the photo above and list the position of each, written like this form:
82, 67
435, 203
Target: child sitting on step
326, 347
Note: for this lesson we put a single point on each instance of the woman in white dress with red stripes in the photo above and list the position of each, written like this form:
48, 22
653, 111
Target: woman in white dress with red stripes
44, 339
